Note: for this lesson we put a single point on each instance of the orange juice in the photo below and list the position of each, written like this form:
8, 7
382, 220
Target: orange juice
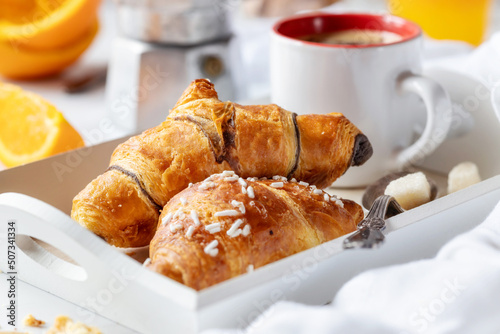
464, 20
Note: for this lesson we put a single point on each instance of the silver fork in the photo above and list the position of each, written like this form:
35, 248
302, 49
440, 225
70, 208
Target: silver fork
369, 233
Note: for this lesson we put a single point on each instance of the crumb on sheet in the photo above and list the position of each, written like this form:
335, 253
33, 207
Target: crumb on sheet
31, 321
65, 325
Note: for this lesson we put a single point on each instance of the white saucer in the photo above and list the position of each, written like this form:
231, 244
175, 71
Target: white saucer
476, 134
495, 100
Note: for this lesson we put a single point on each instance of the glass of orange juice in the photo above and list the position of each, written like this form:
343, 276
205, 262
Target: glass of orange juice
464, 20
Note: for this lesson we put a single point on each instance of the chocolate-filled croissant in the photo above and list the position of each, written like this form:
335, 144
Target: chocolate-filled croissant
202, 136
226, 225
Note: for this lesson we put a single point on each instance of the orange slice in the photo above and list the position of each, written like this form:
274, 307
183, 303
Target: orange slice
31, 128
45, 24
21, 63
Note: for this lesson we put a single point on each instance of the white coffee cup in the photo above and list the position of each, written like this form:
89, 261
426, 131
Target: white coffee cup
375, 86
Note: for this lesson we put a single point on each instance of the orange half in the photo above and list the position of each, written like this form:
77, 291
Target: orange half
23, 63
45, 24
31, 128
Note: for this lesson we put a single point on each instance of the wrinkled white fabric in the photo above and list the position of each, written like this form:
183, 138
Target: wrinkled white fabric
480, 63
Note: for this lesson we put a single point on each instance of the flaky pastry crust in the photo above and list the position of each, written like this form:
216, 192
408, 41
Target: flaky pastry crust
202, 136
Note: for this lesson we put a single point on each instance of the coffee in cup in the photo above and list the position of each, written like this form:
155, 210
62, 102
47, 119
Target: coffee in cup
353, 37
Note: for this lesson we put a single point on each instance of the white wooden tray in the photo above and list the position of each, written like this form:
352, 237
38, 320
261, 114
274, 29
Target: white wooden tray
115, 286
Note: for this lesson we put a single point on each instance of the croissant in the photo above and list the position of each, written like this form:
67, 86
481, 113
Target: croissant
224, 226
203, 136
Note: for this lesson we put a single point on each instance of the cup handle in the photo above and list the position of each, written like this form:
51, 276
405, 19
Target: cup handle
438, 105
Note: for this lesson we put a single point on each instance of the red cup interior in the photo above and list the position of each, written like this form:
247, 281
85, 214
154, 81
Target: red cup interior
321, 23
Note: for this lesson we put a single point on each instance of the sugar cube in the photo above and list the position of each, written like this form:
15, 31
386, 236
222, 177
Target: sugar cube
462, 176
410, 191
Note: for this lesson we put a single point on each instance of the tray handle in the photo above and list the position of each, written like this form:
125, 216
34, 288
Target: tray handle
91, 267
78, 264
